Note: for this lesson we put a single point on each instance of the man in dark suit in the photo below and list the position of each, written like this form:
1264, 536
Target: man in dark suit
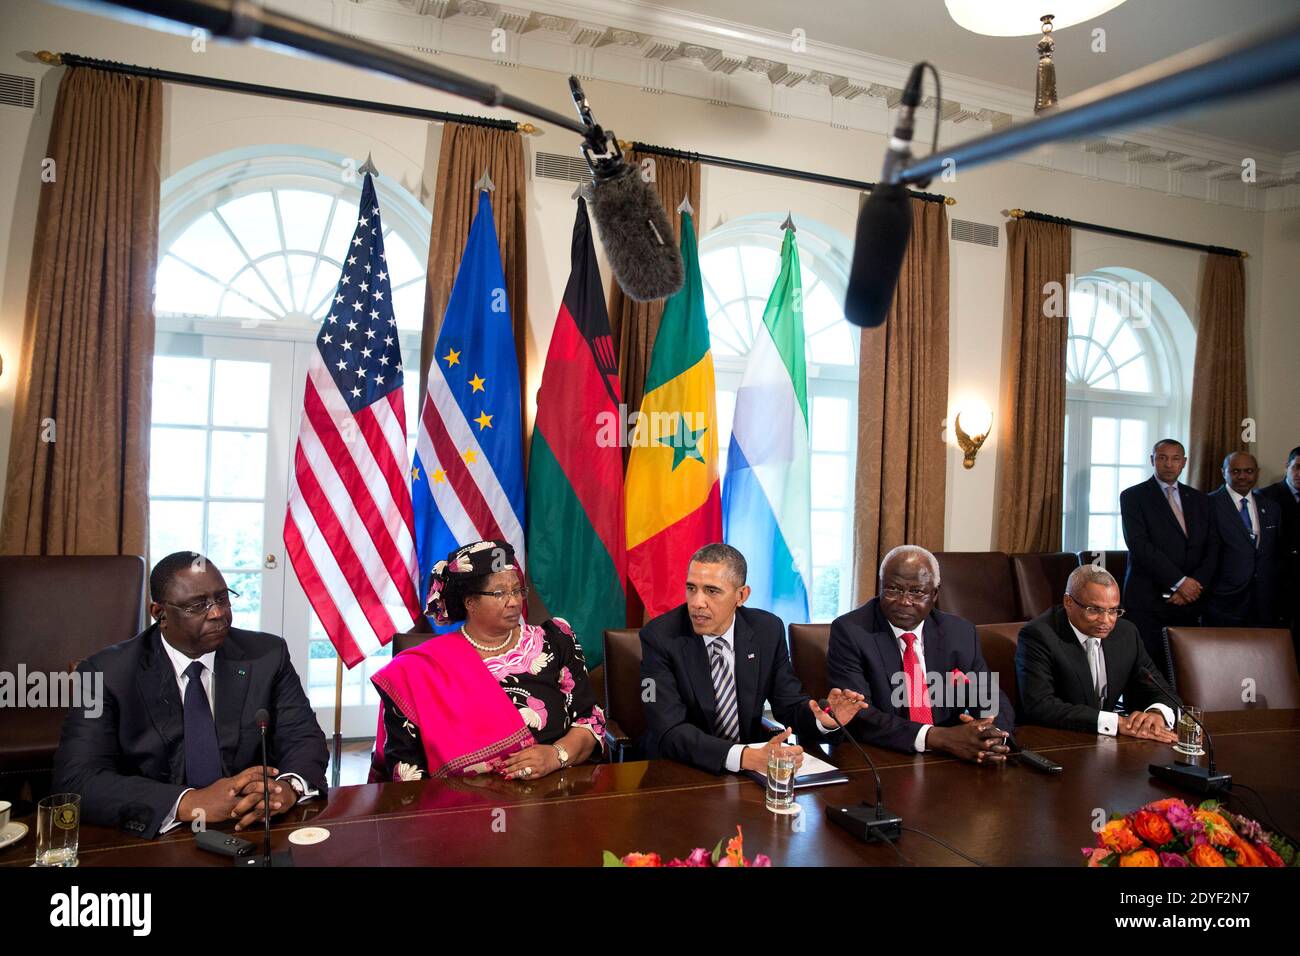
177, 740
920, 669
708, 665
1170, 560
1246, 532
1076, 661
1286, 493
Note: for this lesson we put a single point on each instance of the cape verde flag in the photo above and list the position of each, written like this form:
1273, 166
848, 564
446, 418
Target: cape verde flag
467, 479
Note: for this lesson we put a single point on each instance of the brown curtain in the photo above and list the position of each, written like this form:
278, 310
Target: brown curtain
902, 400
79, 458
1032, 414
635, 324
1219, 375
466, 151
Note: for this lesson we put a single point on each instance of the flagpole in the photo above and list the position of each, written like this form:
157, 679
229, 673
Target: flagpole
338, 718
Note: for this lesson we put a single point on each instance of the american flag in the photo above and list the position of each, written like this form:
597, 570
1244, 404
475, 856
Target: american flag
349, 529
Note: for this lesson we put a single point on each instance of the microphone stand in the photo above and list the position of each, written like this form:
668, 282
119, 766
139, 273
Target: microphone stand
1203, 780
871, 824
268, 859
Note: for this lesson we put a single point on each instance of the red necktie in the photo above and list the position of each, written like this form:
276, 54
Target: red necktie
918, 706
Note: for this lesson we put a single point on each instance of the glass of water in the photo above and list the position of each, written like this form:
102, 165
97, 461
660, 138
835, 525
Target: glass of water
1189, 732
780, 779
58, 828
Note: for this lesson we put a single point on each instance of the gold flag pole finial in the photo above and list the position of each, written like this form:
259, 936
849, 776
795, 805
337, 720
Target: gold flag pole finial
50, 59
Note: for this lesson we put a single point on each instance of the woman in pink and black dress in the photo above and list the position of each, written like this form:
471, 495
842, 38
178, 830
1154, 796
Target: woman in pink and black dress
498, 694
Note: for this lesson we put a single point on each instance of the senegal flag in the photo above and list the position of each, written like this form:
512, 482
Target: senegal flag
673, 503
576, 555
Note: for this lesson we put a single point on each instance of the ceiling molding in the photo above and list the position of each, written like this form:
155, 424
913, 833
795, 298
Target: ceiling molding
662, 50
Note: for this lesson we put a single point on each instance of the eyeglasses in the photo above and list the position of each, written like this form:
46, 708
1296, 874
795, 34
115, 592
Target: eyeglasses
917, 595
1091, 610
517, 593
195, 608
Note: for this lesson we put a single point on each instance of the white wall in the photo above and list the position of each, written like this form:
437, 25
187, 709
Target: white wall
200, 123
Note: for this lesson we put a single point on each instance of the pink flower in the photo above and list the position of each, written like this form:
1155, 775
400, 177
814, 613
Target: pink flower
566, 681
1179, 816
1173, 859
699, 857
762, 859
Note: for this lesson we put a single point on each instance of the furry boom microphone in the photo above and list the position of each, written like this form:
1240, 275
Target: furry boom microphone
634, 227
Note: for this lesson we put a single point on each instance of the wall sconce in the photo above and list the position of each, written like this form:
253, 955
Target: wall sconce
972, 425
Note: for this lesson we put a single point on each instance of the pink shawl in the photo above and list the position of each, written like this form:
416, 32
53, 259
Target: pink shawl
467, 724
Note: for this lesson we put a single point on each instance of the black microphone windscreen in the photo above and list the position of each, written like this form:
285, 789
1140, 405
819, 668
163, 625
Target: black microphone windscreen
262, 718
884, 226
637, 235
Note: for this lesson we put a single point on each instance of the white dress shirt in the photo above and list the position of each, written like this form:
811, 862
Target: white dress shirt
181, 663
728, 651
924, 732
1250, 506
1107, 720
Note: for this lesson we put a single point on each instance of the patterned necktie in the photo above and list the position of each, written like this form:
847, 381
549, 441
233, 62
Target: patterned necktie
1098, 665
1245, 518
918, 707
727, 721
1177, 508
202, 755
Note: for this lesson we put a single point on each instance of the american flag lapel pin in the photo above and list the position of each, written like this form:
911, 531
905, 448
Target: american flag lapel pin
750, 657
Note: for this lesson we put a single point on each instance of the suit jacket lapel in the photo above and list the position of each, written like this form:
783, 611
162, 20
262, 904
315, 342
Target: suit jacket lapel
1158, 494
701, 675
746, 671
231, 675
891, 659
156, 684
1078, 657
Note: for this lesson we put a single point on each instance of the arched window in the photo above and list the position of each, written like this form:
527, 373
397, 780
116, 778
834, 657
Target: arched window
1125, 388
739, 262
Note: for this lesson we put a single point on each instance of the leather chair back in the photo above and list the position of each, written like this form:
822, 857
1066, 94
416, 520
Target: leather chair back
978, 586
623, 703
1212, 664
54, 613
808, 645
998, 645
1040, 580
1116, 562
416, 636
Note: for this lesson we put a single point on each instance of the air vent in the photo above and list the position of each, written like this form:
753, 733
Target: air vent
979, 233
17, 91
571, 169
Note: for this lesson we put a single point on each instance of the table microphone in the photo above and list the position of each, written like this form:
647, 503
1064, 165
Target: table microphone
633, 224
868, 823
263, 720
1204, 780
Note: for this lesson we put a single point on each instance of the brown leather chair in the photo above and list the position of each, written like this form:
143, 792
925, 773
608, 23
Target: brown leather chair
416, 636
1040, 580
998, 645
808, 645
1116, 562
978, 586
1212, 665
54, 613
624, 711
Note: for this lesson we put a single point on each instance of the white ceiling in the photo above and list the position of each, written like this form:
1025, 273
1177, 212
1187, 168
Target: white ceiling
1138, 33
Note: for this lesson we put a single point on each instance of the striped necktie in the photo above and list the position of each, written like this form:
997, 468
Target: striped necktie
1097, 663
727, 722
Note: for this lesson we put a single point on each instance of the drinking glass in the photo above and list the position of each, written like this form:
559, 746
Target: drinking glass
58, 828
1189, 732
780, 780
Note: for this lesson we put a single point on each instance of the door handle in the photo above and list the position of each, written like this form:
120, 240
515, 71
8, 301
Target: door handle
270, 562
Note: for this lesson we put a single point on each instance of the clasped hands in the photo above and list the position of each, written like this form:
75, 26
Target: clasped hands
1149, 725
236, 798
1186, 593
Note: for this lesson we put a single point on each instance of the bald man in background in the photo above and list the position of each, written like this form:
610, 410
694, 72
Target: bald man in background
1244, 537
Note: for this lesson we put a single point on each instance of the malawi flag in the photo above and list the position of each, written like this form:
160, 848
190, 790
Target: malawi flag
577, 558
766, 497
673, 503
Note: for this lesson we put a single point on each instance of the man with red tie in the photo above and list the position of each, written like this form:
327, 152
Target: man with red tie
921, 670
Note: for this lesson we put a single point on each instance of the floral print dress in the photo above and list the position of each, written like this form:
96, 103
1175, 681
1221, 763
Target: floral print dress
545, 677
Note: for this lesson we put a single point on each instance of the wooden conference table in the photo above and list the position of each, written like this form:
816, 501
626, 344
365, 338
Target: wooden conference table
1008, 816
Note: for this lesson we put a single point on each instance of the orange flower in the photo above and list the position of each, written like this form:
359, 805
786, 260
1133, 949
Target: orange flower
735, 850
1206, 855
642, 859
1097, 856
1160, 806
1152, 827
1217, 828
1269, 854
1247, 854
1143, 857
1117, 836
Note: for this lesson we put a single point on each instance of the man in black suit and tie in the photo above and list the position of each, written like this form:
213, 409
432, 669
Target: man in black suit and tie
1170, 559
1246, 532
1076, 661
177, 740
711, 663
920, 669
1286, 494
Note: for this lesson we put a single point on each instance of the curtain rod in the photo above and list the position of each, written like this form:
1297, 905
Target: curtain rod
1128, 233
279, 93
773, 170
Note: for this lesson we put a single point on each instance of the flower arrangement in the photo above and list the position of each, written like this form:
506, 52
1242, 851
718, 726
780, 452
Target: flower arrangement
733, 855
1172, 832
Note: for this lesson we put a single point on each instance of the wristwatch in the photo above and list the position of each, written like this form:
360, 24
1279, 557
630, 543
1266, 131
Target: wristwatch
562, 754
298, 788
